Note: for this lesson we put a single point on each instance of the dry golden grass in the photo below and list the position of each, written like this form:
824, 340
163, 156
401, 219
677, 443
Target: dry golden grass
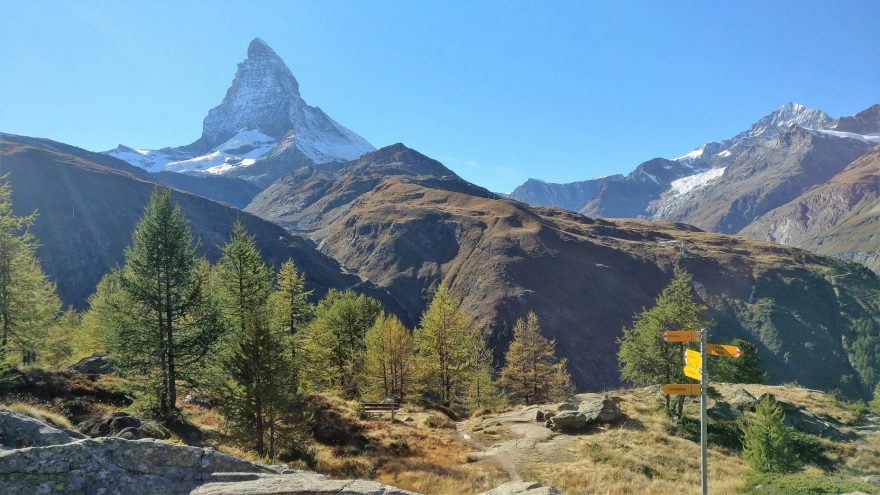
40, 413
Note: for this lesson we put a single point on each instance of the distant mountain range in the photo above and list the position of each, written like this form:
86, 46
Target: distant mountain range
738, 185
394, 223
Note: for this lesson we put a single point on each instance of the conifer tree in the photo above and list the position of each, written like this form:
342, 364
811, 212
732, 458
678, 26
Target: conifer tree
532, 374
481, 388
767, 442
28, 303
57, 349
333, 343
256, 367
389, 363
744, 369
644, 357
874, 405
290, 306
445, 342
161, 320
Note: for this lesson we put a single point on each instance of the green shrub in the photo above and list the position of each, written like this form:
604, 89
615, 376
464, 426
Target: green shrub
802, 484
767, 442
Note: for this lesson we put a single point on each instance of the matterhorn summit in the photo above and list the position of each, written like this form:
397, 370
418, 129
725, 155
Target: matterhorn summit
261, 130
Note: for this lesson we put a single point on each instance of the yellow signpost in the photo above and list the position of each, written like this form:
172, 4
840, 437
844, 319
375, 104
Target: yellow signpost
731, 351
682, 389
681, 336
695, 366
691, 372
693, 359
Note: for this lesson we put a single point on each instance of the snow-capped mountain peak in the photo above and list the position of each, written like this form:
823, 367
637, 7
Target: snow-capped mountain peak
261, 112
786, 116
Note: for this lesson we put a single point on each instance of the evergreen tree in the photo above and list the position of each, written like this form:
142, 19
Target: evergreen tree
290, 306
865, 337
445, 342
532, 374
256, 367
57, 349
389, 362
744, 369
481, 389
161, 318
28, 303
767, 441
333, 343
644, 357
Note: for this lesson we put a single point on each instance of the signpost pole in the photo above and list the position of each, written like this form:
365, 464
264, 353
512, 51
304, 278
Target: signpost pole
704, 420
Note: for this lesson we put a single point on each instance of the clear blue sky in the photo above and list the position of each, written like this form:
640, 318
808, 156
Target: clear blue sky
498, 90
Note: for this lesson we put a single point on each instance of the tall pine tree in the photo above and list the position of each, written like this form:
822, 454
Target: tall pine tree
389, 363
744, 369
445, 341
28, 303
256, 368
532, 374
333, 342
162, 321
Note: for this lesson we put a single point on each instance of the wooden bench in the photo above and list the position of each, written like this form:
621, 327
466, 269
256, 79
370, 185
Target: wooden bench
381, 407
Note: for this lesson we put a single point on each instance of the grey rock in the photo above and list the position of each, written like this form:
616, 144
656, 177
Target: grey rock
523, 488
603, 410
94, 365
724, 411
873, 479
19, 431
743, 400
568, 420
198, 400
120, 424
567, 406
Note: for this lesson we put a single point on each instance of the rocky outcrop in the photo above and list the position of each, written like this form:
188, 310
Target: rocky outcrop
45, 460
122, 425
19, 431
591, 410
93, 365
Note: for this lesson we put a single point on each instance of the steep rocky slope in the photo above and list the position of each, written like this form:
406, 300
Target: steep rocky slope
571, 196
585, 277
840, 217
765, 175
88, 207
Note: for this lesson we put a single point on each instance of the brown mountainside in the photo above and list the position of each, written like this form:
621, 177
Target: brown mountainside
584, 277
840, 217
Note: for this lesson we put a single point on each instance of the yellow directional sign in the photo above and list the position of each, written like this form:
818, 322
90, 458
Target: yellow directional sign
731, 351
693, 359
692, 372
682, 389
681, 336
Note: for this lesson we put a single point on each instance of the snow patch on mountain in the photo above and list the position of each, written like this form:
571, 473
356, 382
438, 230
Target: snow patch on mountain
691, 182
868, 138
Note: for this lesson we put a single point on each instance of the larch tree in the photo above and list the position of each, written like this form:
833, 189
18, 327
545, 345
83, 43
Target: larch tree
532, 373
162, 323
290, 307
28, 302
256, 367
333, 343
481, 388
389, 362
445, 340
767, 441
645, 358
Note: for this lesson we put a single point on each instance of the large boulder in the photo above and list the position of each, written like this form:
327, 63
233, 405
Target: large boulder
724, 411
568, 421
120, 424
603, 410
523, 488
19, 431
94, 365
